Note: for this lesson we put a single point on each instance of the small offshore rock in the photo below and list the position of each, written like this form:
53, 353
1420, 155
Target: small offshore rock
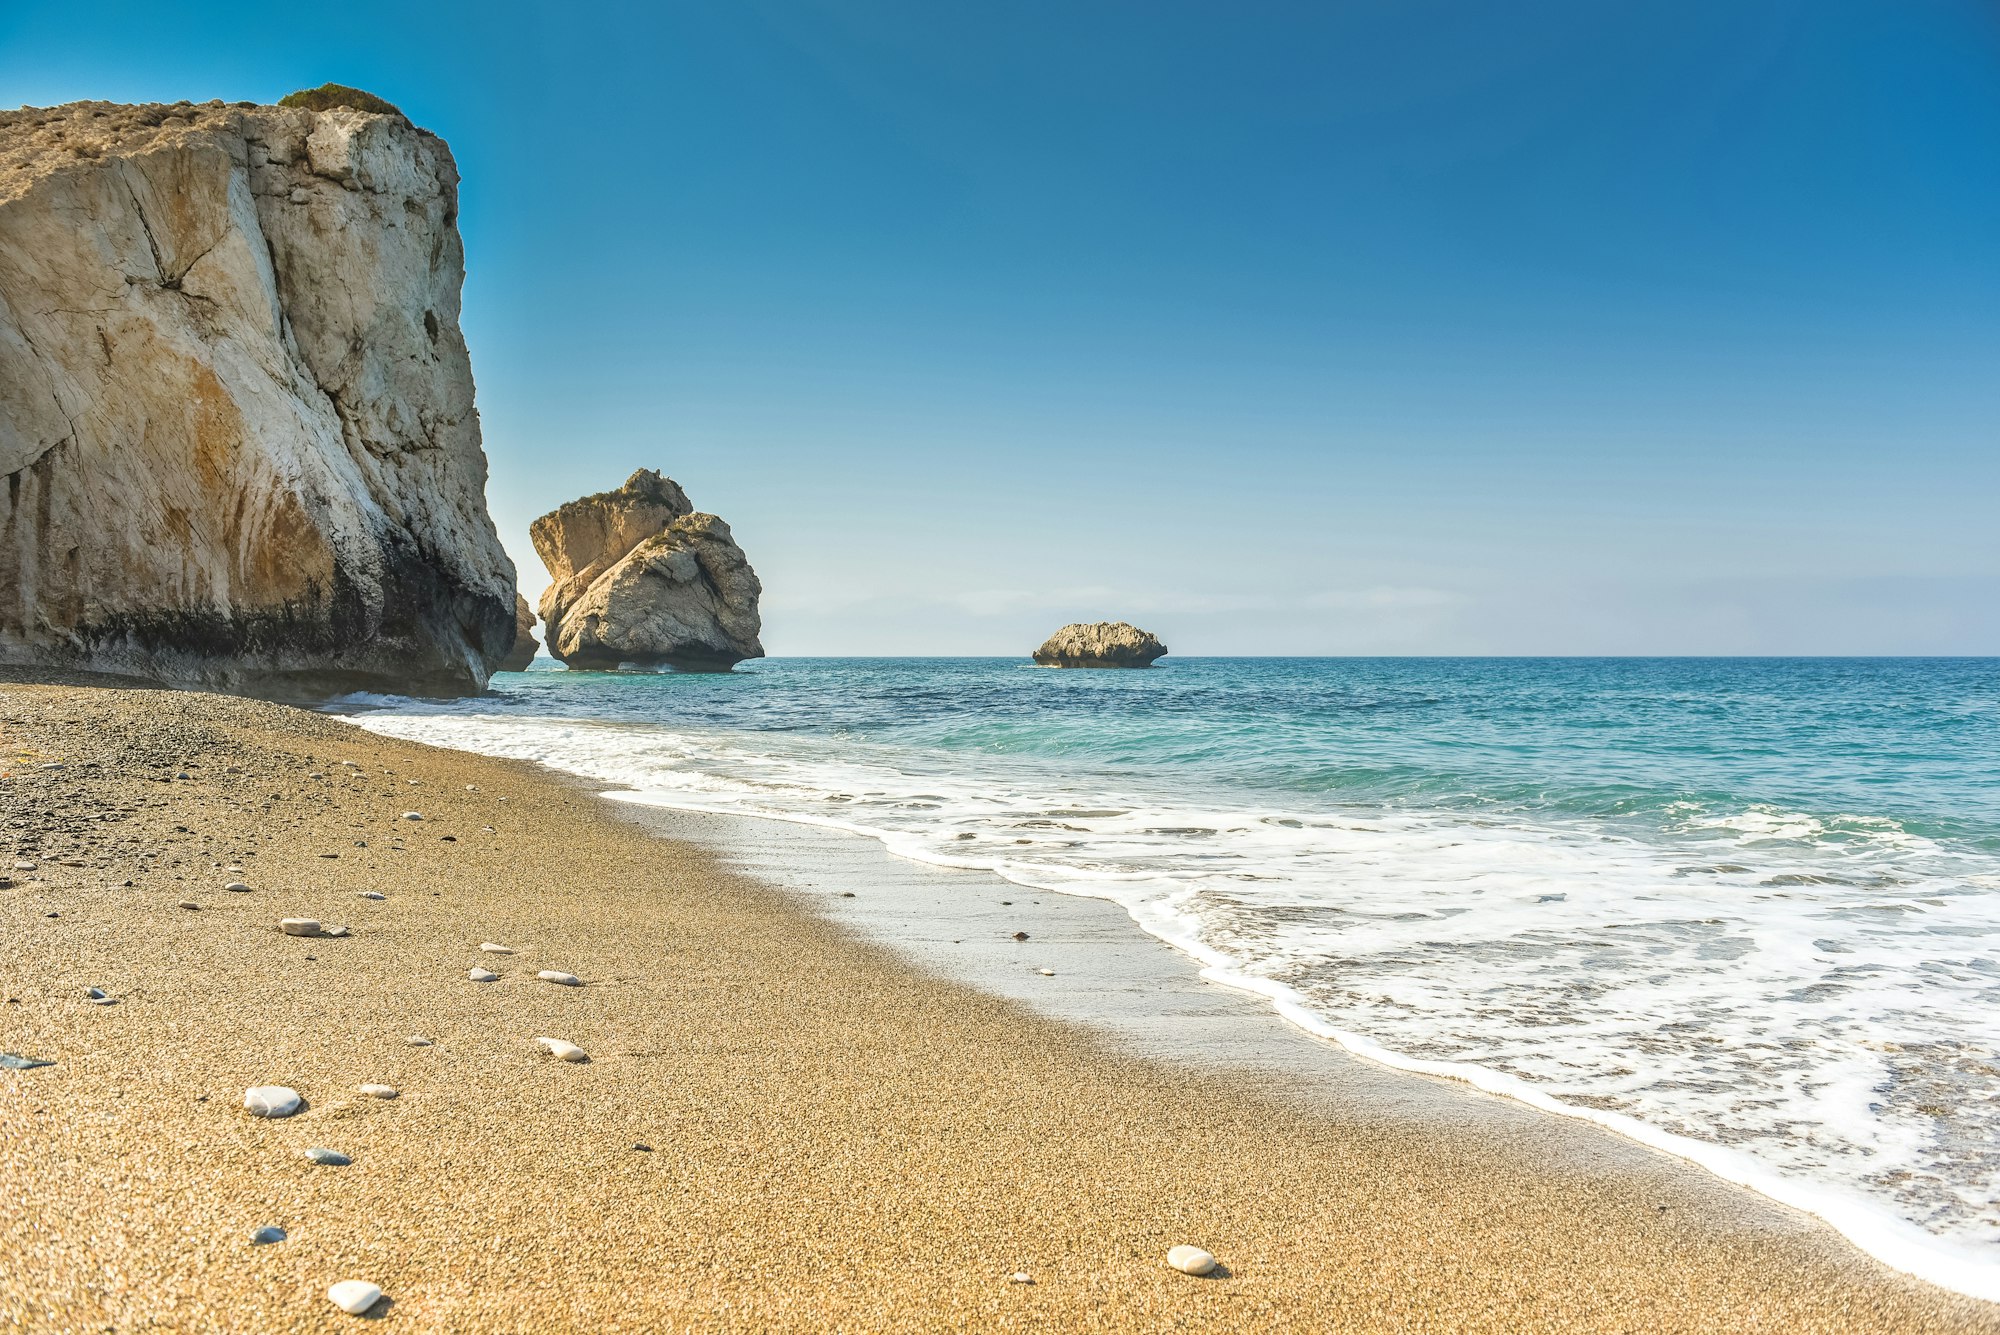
237, 888
320, 1154
493, 949
378, 1091
559, 977
1191, 1260
268, 1234
562, 1050
354, 1296
271, 1101
482, 975
299, 926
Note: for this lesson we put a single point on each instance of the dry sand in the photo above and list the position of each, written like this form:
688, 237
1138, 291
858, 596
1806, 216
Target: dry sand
838, 1142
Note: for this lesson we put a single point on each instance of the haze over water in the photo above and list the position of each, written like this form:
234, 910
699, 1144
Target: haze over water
1751, 903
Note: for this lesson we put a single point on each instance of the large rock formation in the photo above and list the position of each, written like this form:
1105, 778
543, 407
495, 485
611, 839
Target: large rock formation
523, 653
1100, 644
643, 581
236, 425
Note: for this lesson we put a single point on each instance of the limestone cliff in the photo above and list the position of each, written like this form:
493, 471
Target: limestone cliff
237, 432
1100, 644
641, 580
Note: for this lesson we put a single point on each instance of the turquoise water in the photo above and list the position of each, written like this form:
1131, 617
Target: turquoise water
1747, 909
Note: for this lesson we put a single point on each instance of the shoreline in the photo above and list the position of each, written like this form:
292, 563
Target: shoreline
838, 1141
1887, 1239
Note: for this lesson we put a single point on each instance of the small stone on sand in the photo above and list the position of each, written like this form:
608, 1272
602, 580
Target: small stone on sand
299, 926
267, 1234
1020, 1277
1046, 973
354, 1296
558, 976
320, 1154
562, 1050
373, 894
1191, 1260
334, 931
482, 975
189, 904
14, 1061
413, 815
24, 866
237, 888
271, 1101
1020, 936
377, 1091
492, 949
417, 1041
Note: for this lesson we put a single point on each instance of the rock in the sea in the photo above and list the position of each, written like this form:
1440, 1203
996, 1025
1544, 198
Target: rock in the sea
525, 644
1191, 1260
236, 410
482, 975
641, 580
563, 1050
354, 1296
271, 1101
320, 1154
559, 977
1100, 644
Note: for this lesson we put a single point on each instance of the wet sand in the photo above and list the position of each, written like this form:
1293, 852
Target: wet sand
838, 1140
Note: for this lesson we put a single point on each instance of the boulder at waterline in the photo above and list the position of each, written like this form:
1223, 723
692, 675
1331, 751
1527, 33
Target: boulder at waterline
643, 581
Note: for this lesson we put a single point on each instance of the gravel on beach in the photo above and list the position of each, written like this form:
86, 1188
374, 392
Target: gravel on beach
834, 1140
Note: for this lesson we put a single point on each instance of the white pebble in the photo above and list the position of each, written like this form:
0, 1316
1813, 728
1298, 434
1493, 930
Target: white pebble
378, 1091
417, 1041
335, 931
299, 926
1191, 1260
1020, 1277
237, 888
563, 1051
354, 1296
492, 949
373, 894
413, 815
1046, 973
482, 975
271, 1101
471, 787
24, 866
558, 976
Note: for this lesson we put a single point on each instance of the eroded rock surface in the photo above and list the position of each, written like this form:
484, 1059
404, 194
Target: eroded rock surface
237, 434
1100, 644
525, 643
642, 580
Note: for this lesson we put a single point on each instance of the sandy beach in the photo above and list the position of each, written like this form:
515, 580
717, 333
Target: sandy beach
831, 1139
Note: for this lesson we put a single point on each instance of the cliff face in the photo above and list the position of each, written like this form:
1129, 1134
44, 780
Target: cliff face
642, 580
237, 433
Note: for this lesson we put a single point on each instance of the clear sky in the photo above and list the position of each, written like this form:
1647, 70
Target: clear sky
1374, 327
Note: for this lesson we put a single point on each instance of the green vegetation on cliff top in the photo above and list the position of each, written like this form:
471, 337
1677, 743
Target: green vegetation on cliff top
328, 96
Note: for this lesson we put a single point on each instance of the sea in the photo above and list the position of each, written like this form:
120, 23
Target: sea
1744, 910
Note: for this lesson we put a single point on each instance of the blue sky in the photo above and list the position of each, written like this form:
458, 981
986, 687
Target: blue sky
1391, 327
